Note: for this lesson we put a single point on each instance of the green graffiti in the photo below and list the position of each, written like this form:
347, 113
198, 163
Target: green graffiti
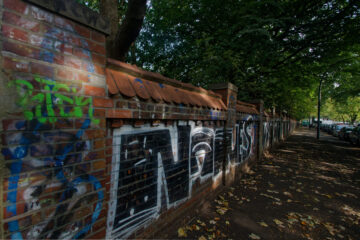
51, 100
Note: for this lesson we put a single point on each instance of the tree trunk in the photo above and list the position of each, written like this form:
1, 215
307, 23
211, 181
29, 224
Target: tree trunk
109, 9
121, 37
319, 109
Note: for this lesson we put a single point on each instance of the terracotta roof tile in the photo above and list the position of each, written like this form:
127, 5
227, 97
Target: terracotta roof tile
163, 92
183, 96
153, 90
174, 94
221, 104
122, 83
111, 82
131, 81
246, 108
139, 86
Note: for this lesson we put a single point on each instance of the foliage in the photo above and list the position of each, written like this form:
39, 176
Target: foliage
274, 50
346, 110
277, 51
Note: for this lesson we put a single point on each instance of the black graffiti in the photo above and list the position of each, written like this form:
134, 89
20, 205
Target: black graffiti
142, 158
220, 149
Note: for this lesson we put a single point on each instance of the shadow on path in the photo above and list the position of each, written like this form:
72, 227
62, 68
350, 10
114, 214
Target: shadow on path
304, 189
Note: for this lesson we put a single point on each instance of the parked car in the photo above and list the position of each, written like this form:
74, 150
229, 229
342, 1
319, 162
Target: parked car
344, 132
354, 136
337, 129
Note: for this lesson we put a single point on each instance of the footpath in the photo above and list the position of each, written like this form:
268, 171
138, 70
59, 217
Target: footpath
303, 189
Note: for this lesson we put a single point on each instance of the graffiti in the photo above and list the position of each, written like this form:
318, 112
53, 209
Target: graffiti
220, 150
35, 189
202, 158
47, 168
266, 135
151, 171
246, 139
156, 168
50, 99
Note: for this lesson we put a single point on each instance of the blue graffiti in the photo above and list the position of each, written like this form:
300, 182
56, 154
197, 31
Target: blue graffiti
19, 153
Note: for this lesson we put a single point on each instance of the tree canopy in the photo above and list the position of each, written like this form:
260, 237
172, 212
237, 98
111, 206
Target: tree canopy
271, 50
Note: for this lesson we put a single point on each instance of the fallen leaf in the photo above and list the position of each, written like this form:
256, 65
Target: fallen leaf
254, 236
227, 222
212, 222
263, 224
278, 222
181, 232
202, 238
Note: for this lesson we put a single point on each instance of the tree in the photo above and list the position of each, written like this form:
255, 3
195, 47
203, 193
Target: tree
267, 48
125, 19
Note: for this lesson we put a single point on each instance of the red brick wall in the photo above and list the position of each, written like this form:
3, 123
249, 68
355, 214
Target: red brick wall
53, 131
63, 134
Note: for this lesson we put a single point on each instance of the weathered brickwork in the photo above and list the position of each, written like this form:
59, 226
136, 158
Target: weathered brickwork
94, 148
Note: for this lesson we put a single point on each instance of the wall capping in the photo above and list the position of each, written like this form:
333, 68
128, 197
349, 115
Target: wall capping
75, 11
156, 77
219, 86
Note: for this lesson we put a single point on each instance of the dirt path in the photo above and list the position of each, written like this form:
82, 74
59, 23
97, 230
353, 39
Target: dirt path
305, 189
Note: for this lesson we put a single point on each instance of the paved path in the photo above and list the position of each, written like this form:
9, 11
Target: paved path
305, 189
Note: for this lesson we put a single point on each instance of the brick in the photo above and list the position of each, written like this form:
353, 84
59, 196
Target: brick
95, 47
82, 31
81, 53
72, 62
11, 124
41, 69
99, 59
96, 133
103, 102
64, 123
21, 50
98, 37
99, 69
98, 225
97, 155
21, 22
88, 66
16, 5
17, 65
82, 77
99, 165
121, 104
99, 112
14, 33
94, 91
65, 74
139, 123
98, 235
40, 41
116, 123
99, 143
63, 47
108, 151
117, 113
70, 38
41, 15
59, 59
41, 150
